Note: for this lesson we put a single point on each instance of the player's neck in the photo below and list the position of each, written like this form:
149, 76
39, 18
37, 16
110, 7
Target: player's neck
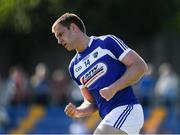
83, 43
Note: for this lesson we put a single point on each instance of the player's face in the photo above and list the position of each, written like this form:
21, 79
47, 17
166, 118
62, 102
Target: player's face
66, 37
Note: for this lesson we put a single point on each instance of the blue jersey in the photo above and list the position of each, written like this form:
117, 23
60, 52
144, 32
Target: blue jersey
99, 66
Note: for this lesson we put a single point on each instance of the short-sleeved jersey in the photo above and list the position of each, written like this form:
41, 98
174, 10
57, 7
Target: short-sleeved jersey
99, 66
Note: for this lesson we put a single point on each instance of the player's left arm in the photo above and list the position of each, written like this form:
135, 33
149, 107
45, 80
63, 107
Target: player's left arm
136, 67
85, 109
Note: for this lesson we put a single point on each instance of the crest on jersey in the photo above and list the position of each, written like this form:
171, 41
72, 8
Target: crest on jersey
93, 74
95, 54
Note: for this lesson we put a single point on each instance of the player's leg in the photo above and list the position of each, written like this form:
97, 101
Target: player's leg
106, 129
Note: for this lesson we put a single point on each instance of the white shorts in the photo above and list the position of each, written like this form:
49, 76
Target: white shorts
128, 118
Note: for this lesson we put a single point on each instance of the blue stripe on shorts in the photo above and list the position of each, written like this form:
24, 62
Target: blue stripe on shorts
123, 116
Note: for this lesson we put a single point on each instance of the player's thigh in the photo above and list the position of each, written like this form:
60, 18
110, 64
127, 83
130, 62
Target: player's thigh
106, 129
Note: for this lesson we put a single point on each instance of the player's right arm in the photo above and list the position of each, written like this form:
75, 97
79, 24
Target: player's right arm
85, 109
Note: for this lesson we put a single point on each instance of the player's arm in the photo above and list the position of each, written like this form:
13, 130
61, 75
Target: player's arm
136, 67
85, 109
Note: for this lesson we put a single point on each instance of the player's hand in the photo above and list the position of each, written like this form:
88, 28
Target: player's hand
107, 93
71, 110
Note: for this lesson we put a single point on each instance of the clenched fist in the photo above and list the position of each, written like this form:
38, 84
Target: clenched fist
107, 93
71, 110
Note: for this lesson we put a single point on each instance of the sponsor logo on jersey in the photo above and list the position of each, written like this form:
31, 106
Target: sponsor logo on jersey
93, 74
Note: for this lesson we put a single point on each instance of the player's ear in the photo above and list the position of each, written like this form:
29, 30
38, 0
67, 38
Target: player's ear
73, 27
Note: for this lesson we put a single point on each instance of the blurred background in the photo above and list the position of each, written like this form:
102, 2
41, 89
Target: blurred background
34, 81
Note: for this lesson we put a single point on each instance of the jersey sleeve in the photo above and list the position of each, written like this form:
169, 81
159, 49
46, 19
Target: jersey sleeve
117, 47
71, 72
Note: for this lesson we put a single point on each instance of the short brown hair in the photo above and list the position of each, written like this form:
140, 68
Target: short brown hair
68, 18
